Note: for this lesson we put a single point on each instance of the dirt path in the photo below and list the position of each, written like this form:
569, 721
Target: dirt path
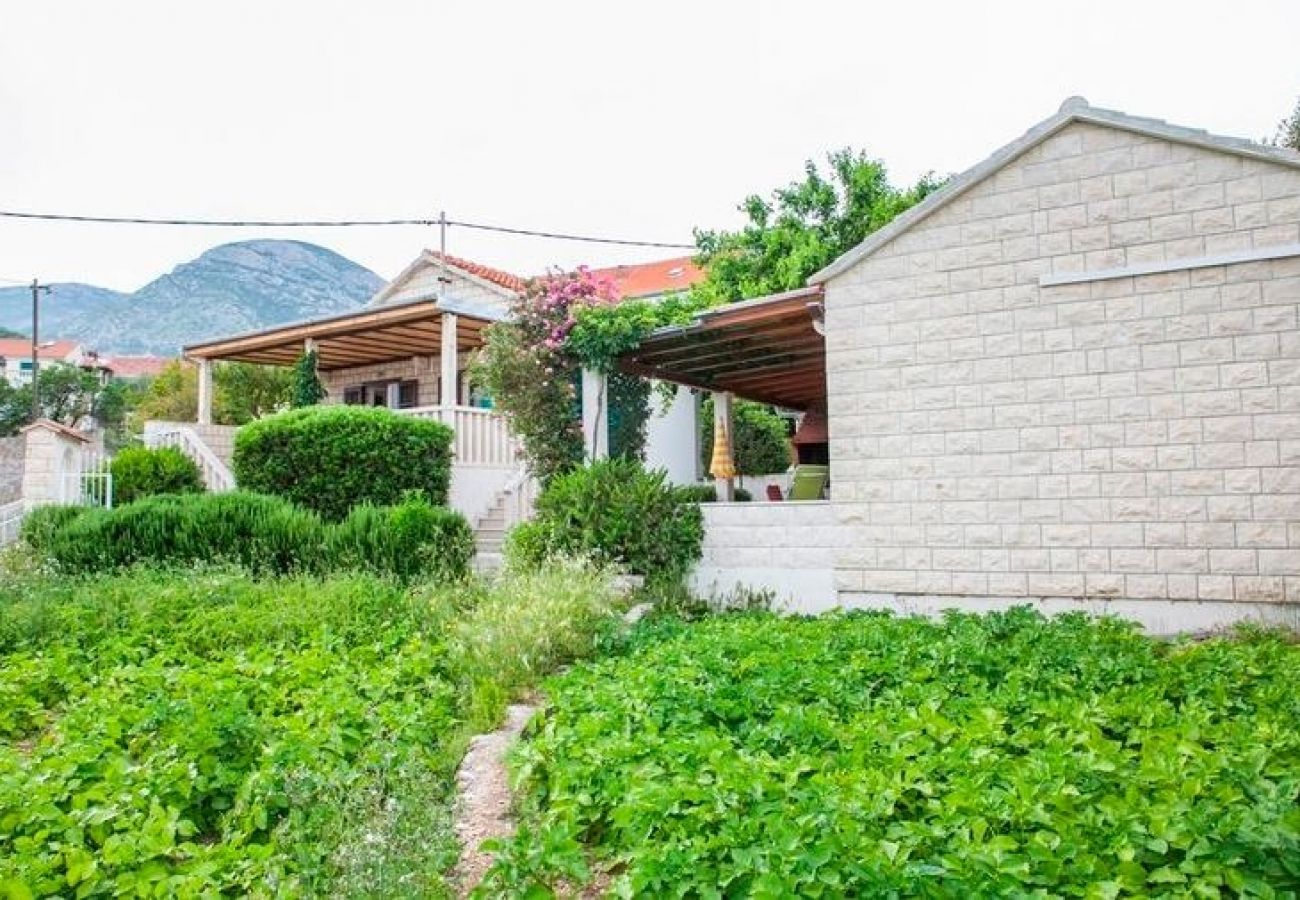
483, 796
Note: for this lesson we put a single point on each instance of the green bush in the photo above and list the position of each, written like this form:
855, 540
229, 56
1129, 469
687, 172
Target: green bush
413, 538
760, 443
616, 511
332, 458
261, 533
867, 755
142, 472
41, 524
708, 493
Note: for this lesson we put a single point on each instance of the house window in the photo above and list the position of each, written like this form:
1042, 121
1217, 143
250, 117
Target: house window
354, 396
393, 394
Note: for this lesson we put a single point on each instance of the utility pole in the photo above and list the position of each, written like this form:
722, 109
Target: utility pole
445, 278
37, 287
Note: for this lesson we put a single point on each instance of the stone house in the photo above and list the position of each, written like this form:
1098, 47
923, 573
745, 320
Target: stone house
1070, 377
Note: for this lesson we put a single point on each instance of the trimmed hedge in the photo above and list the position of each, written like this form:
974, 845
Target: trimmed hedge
616, 511
140, 472
264, 534
332, 458
708, 493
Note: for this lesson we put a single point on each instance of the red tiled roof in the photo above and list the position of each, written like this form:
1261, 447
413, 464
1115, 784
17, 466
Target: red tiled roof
649, 279
135, 366
22, 348
498, 277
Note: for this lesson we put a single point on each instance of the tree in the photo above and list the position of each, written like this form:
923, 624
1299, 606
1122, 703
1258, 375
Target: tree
69, 395
307, 389
760, 444
241, 392
1288, 130
805, 226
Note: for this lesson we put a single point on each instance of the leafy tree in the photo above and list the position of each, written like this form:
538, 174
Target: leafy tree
307, 389
69, 395
760, 443
241, 392
1288, 130
804, 227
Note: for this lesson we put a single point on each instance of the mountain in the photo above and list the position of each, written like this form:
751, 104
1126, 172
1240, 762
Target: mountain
230, 289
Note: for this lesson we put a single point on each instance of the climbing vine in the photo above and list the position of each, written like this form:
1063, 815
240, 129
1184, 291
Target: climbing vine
307, 389
532, 365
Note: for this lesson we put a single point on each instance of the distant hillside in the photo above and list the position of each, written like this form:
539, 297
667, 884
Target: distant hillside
232, 288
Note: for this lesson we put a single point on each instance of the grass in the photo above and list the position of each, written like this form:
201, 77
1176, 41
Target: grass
202, 732
867, 755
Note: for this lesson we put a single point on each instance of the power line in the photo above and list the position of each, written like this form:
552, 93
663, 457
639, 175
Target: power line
337, 223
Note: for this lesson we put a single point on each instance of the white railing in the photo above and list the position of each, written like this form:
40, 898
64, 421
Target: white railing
482, 436
216, 475
90, 483
520, 497
11, 520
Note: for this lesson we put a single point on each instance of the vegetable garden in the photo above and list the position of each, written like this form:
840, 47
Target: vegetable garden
873, 756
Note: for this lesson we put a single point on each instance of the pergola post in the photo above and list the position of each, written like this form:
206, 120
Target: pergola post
205, 391
595, 415
723, 472
449, 391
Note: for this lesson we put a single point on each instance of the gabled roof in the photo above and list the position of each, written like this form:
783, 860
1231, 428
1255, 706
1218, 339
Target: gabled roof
653, 278
57, 427
505, 282
22, 348
1074, 109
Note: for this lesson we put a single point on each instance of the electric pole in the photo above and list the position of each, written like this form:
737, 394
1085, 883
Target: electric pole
37, 287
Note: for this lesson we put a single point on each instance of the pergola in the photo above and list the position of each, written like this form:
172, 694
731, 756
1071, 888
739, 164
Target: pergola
770, 349
368, 336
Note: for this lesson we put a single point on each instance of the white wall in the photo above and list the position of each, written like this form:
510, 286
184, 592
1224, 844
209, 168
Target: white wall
672, 437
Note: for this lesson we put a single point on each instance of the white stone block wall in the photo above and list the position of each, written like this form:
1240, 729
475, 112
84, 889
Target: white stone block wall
787, 548
1130, 438
425, 369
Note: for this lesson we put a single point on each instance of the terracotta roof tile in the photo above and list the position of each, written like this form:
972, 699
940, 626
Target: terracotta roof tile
652, 278
22, 348
498, 277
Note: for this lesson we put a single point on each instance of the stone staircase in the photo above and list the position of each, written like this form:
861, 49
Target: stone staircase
490, 533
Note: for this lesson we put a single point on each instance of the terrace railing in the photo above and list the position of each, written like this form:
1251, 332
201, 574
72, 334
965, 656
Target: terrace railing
482, 436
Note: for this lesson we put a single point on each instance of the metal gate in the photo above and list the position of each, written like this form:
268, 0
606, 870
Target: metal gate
88, 481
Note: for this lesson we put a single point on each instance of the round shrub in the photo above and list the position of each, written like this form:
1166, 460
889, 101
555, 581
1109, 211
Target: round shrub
618, 511
332, 458
42, 523
411, 539
140, 472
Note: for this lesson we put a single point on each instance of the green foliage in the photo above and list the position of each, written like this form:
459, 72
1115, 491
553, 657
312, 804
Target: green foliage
603, 332
1288, 131
409, 540
242, 392
69, 395
331, 458
261, 533
874, 756
760, 444
142, 472
708, 493
629, 414
307, 388
42, 523
204, 734
615, 511
803, 228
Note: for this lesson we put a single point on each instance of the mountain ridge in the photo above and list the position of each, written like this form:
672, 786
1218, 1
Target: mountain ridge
228, 289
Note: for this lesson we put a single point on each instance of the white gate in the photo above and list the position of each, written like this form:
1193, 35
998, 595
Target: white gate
87, 481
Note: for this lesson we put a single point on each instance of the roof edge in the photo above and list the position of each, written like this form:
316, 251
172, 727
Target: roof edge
1074, 109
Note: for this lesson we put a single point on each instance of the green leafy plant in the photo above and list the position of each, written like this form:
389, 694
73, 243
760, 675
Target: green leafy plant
616, 511
140, 472
261, 533
760, 442
332, 458
708, 493
307, 387
869, 755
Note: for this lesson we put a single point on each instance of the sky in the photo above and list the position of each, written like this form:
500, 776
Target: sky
622, 119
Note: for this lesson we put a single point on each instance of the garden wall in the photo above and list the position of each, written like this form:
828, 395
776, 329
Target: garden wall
787, 548
12, 451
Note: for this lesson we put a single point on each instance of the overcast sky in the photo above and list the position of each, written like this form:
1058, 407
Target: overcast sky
636, 120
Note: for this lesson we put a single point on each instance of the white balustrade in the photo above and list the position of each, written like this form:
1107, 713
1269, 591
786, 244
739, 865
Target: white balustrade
483, 437
216, 475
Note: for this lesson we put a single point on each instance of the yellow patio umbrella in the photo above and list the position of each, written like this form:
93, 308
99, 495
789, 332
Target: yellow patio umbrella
722, 465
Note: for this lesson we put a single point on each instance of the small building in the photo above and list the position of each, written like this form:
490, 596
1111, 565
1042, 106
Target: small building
1071, 378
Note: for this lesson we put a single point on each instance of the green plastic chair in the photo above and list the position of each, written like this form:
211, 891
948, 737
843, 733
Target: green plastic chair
809, 482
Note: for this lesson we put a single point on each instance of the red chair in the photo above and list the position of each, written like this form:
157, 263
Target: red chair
774, 492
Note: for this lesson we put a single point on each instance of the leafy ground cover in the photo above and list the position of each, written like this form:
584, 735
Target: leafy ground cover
203, 733
874, 756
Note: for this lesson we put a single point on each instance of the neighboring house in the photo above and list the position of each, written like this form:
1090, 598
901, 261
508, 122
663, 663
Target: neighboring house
409, 349
16, 357
1070, 377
